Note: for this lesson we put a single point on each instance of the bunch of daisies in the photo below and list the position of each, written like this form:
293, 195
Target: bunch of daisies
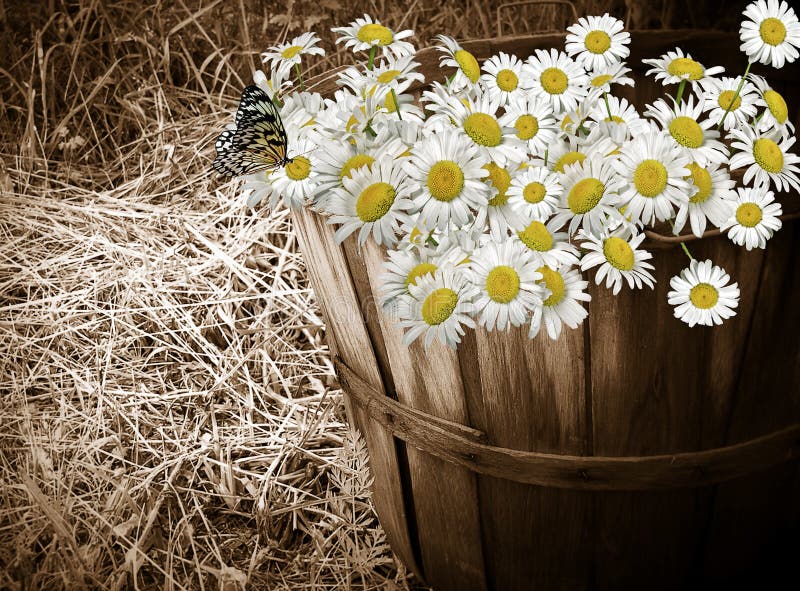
499, 190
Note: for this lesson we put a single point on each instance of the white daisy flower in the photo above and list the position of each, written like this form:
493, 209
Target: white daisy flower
448, 169
364, 34
573, 150
506, 276
504, 78
398, 73
534, 193
612, 109
567, 289
654, 169
533, 121
499, 213
439, 308
468, 70
257, 187
684, 125
675, 67
776, 112
767, 158
600, 80
590, 196
277, 82
712, 198
555, 77
755, 218
404, 268
701, 294
770, 33
300, 109
597, 41
297, 181
285, 55
547, 245
373, 200
717, 95
619, 260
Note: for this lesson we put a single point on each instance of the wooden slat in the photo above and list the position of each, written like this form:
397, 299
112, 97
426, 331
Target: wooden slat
348, 338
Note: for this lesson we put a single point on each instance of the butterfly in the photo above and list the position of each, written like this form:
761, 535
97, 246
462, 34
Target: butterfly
259, 140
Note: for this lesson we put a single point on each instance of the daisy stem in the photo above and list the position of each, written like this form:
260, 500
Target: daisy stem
735, 94
608, 108
299, 76
681, 86
396, 105
371, 61
683, 244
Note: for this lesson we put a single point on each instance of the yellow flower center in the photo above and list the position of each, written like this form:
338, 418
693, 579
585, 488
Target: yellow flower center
725, 100
768, 155
299, 168
534, 192
772, 31
585, 195
597, 42
598, 81
419, 271
650, 178
373, 33
615, 119
554, 81
355, 162
292, 51
502, 284
388, 76
565, 122
527, 126
567, 159
438, 306
686, 131
536, 237
415, 235
684, 67
468, 64
507, 80
704, 296
777, 106
483, 129
445, 180
553, 281
501, 180
748, 215
375, 201
702, 180
618, 253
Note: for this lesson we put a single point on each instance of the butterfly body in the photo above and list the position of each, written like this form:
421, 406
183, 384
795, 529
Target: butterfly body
259, 141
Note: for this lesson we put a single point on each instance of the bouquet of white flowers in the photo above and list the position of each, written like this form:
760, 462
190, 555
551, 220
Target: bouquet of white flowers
498, 187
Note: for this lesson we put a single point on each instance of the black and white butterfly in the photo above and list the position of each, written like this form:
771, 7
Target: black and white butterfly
259, 140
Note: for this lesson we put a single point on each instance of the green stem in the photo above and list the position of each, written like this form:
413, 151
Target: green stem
681, 86
299, 76
736, 94
396, 105
683, 244
608, 109
371, 61
546, 153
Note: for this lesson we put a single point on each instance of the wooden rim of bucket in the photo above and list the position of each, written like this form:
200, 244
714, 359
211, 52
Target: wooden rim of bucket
467, 447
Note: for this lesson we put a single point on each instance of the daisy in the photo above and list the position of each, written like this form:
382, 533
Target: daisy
601, 79
373, 200
547, 245
619, 260
674, 67
275, 84
701, 294
439, 308
506, 276
534, 193
767, 157
683, 124
257, 187
717, 97
365, 34
712, 198
397, 106
533, 121
654, 170
556, 78
776, 112
598, 41
448, 168
404, 268
614, 109
286, 55
398, 73
755, 218
501, 215
467, 69
770, 33
590, 195
504, 78
567, 289
297, 181
563, 153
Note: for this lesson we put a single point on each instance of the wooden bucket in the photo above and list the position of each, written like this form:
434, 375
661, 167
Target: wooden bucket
632, 451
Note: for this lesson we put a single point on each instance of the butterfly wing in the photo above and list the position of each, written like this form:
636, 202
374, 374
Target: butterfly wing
233, 162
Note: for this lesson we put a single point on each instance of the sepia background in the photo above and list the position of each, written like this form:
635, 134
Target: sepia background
169, 416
